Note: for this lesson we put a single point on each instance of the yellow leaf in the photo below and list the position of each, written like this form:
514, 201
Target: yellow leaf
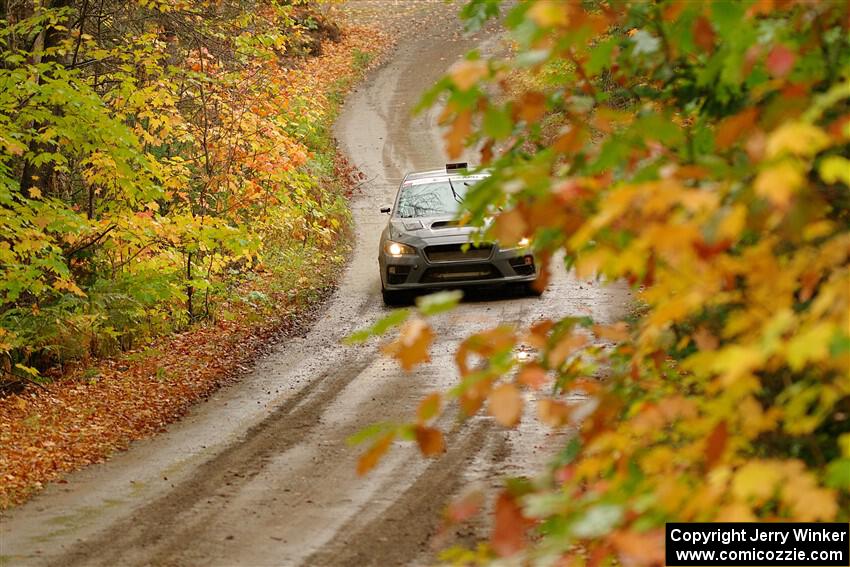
68, 285
834, 169
756, 481
807, 501
505, 404
465, 74
797, 138
809, 345
546, 13
779, 182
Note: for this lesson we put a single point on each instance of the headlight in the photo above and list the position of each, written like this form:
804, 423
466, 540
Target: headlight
398, 249
524, 243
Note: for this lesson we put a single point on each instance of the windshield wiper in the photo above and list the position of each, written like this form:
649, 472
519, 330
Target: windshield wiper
454, 193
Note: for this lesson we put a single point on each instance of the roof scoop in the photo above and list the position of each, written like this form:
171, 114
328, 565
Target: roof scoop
456, 166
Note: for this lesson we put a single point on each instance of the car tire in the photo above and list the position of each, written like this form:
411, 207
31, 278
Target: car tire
394, 298
530, 289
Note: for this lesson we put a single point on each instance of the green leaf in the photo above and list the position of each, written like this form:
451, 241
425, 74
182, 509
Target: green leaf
371, 431
838, 474
597, 521
395, 318
438, 302
497, 123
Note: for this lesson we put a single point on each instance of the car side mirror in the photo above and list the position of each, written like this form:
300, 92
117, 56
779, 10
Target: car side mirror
386, 210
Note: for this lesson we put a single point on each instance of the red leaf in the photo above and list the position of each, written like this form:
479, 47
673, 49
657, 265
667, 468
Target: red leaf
780, 61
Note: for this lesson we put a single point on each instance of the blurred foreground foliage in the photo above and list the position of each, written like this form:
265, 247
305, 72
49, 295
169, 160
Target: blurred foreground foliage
698, 150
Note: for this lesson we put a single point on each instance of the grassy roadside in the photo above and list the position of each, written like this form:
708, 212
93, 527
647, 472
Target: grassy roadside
97, 408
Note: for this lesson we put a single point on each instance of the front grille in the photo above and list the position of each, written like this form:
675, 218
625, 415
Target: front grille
523, 266
460, 273
455, 252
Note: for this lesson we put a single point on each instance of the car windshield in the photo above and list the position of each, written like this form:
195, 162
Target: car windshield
433, 199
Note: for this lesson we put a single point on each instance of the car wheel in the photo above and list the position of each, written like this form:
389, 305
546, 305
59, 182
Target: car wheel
394, 298
530, 289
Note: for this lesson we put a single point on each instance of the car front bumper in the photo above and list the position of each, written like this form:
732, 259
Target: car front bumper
409, 272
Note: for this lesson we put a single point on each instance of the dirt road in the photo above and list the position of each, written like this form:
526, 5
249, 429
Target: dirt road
260, 474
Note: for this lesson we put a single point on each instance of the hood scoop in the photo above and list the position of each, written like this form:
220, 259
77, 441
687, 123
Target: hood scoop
445, 224
413, 225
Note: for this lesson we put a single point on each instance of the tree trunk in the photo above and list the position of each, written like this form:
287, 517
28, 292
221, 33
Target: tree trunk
32, 175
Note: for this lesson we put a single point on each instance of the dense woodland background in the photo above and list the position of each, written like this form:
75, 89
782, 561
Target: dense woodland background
155, 154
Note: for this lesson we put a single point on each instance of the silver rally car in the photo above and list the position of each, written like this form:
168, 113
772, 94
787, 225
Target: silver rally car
424, 247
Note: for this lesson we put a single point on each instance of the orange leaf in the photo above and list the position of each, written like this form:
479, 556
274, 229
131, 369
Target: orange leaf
617, 332
543, 274
460, 128
509, 228
570, 140
538, 333
506, 404
673, 9
509, 526
704, 34
716, 444
371, 457
487, 152
532, 106
532, 376
731, 129
465, 507
485, 344
430, 440
465, 74
411, 346
552, 412
564, 348
705, 340
645, 548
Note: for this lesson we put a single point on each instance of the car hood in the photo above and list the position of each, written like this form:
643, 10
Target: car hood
432, 230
